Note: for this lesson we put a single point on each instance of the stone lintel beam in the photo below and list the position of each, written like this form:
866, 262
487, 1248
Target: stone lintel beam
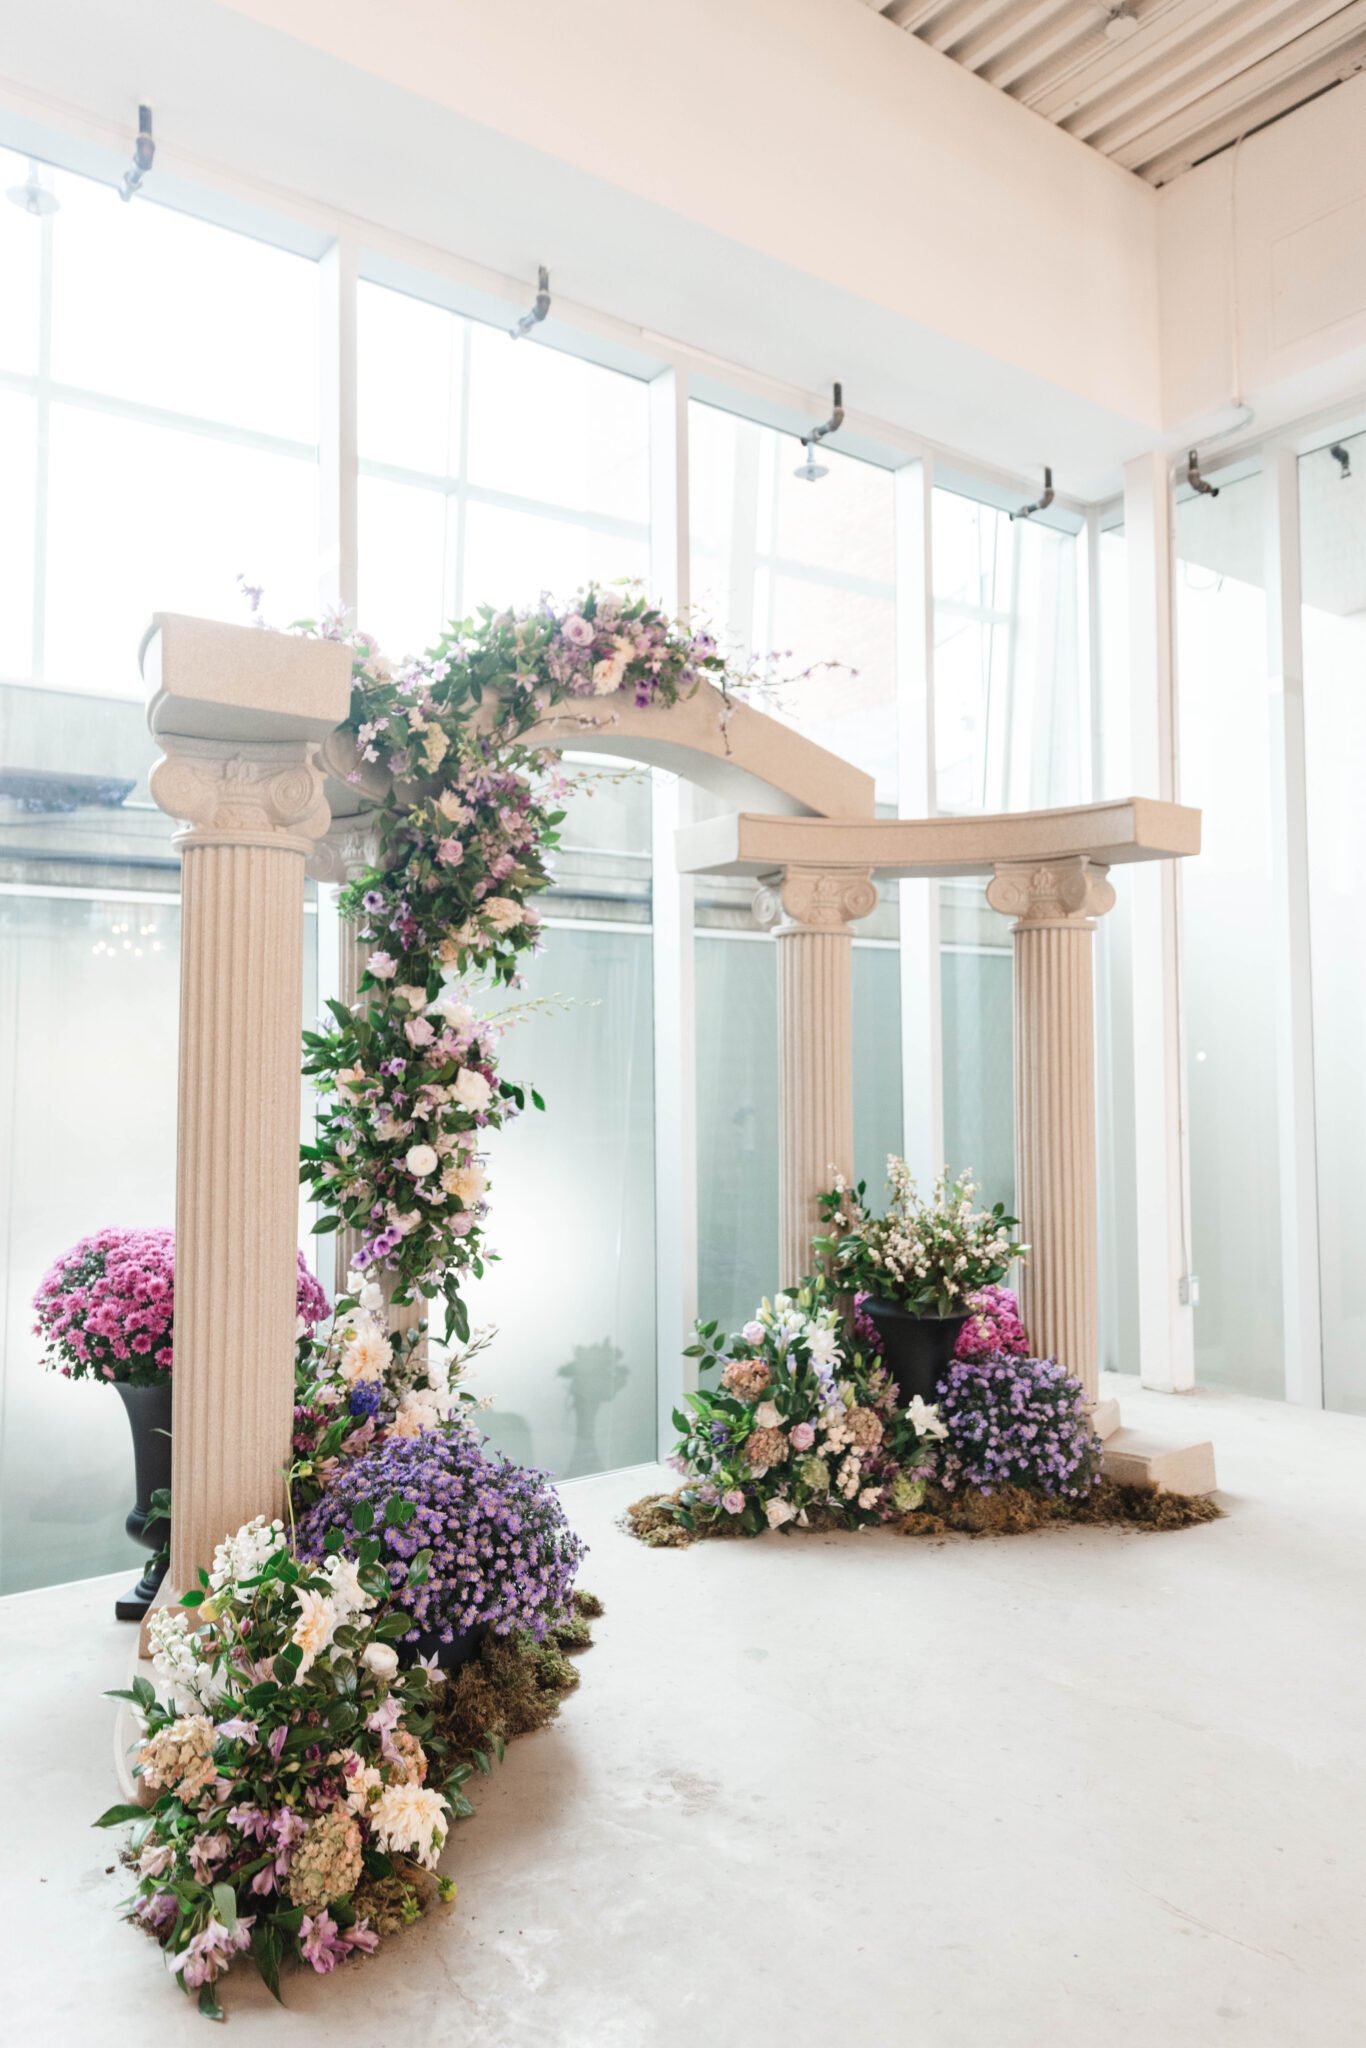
1108, 834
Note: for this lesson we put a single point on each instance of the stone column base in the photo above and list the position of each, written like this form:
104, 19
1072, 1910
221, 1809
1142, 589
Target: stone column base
1133, 1459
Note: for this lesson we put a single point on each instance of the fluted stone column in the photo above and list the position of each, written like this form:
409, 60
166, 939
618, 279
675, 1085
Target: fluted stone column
251, 810
1055, 905
810, 910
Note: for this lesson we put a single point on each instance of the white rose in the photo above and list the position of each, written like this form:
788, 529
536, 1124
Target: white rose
412, 995
778, 1512
766, 1416
471, 1090
422, 1159
381, 1658
451, 1011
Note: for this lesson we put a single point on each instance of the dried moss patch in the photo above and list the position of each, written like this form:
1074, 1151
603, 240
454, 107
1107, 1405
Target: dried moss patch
515, 1684
1011, 1511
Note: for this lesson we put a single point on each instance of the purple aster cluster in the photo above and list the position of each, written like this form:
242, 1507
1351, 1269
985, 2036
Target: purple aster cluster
105, 1308
1015, 1422
502, 1553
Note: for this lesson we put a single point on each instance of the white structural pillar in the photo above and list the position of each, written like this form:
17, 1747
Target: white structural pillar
237, 714
1055, 905
810, 910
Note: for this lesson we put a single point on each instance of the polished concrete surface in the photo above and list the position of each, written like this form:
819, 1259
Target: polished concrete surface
1074, 1788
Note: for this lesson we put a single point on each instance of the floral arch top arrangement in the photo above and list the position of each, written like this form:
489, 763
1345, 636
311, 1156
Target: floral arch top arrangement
409, 1074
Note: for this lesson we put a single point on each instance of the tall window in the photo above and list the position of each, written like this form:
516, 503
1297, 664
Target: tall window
492, 471
158, 428
1333, 562
801, 571
1011, 732
1229, 974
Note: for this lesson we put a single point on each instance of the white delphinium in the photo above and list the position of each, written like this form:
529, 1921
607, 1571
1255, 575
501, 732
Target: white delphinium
175, 1658
242, 1556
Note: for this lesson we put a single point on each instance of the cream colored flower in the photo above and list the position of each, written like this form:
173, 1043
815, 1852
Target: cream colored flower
434, 748
381, 1658
502, 913
366, 1356
421, 1159
408, 1820
471, 1090
412, 995
314, 1629
450, 806
466, 1182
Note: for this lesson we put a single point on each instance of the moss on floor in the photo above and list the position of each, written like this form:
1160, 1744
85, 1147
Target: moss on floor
1009, 1512
515, 1684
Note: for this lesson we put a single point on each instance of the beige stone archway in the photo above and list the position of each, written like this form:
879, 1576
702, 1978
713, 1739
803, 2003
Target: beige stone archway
265, 781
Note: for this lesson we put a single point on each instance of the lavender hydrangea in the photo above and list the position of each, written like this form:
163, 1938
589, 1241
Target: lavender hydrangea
1015, 1422
502, 1552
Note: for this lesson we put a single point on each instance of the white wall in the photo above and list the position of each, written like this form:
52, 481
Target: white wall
1263, 271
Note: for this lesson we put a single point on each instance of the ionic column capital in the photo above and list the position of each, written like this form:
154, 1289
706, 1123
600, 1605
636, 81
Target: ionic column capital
346, 850
266, 793
1074, 891
814, 899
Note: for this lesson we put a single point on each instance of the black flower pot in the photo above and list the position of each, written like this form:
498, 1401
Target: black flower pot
149, 1417
463, 1649
916, 1350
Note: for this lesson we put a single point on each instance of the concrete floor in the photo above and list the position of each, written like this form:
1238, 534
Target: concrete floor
1075, 1788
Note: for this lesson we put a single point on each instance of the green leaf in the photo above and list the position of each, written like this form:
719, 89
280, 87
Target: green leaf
420, 1568
267, 1951
225, 1905
362, 1517
208, 2003
115, 1816
326, 1223
538, 1098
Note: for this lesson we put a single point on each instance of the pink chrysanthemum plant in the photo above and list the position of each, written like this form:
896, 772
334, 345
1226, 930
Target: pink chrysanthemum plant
287, 1764
797, 1423
105, 1308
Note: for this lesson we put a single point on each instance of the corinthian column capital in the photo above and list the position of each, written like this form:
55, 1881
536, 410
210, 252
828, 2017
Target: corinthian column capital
1071, 891
814, 899
346, 850
232, 793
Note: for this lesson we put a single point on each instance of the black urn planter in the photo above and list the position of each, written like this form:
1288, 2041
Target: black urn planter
450, 1656
916, 1350
149, 1417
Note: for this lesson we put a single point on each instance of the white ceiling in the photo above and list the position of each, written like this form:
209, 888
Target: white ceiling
1158, 85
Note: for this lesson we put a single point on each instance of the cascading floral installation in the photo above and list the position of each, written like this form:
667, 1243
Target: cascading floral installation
464, 831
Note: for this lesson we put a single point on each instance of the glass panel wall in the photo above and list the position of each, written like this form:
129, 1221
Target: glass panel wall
1333, 566
1229, 968
801, 572
1012, 733
158, 420
493, 471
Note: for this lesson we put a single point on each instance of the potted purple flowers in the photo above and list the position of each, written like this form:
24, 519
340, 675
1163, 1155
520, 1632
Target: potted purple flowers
501, 1555
105, 1310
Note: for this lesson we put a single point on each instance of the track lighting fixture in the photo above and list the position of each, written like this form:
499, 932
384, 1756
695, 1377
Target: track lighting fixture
1195, 480
538, 310
1042, 502
812, 471
144, 153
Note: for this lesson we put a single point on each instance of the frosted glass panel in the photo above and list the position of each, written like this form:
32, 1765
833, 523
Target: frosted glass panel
737, 1108
976, 987
1333, 532
572, 1369
87, 1139
737, 1125
1229, 969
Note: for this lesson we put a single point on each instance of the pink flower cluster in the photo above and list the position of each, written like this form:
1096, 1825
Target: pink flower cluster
994, 1329
105, 1307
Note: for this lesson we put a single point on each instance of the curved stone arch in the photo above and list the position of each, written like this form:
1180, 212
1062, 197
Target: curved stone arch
740, 754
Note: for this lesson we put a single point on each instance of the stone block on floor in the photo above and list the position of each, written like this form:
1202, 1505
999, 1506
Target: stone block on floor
1133, 1459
